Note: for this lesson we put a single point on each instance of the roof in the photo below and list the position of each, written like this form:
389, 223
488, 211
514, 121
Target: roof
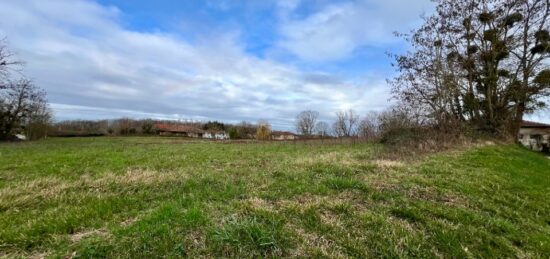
532, 124
178, 128
286, 133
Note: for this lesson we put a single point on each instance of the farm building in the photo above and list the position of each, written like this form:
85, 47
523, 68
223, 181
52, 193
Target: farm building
178, 130
283, 135
535, 135
215, 134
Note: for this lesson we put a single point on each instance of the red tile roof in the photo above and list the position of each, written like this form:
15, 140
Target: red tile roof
532, 124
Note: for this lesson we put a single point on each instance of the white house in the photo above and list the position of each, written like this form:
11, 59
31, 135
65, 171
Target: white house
215, 134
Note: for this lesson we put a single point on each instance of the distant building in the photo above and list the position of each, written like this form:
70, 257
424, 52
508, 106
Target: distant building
179, 130
189, 131
535, 135
215, 134
283, 135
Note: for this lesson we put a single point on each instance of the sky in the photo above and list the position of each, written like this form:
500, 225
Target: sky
226, 60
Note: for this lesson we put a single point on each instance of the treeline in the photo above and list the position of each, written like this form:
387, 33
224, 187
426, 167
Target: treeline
381, 126
127, 126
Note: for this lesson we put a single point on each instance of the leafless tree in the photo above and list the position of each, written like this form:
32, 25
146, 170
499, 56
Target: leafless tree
305, 122
21, 103
263, 131
369, 127
346, 123
322, 128
7, 63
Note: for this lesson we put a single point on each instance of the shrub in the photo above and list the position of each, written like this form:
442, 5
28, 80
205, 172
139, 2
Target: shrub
233, 133
147, 128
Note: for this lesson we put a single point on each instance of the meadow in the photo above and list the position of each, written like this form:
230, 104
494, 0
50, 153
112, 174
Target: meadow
135, 197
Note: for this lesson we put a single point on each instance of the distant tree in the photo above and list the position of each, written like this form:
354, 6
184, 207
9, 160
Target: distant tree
369, 126
263, 131
306, 121
233, 133
147, 127
322, 128
246, 130
213, 125
21, 103
38, 122
123, 126
346, 123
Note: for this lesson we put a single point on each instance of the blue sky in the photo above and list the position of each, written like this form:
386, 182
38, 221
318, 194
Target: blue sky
210, 60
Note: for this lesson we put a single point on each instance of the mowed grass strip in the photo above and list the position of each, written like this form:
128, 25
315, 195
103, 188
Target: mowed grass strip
169, 197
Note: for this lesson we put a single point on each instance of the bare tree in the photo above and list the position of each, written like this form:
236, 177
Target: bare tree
369, 127
7, 63
322, 128
305, 122
20, 103
346, 123
263, 131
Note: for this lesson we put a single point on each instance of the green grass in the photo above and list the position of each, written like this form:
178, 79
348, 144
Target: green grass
168, 197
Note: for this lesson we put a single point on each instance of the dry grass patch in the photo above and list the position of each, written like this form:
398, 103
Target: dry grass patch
258, 203
340, 158
51, 188
314, 243
77, 237
385, 163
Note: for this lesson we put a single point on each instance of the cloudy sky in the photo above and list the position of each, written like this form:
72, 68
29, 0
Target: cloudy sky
223, 60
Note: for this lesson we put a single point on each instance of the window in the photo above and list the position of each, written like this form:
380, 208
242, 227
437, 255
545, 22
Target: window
520, 136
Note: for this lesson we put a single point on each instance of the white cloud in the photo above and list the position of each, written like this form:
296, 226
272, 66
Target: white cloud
91, 66
339, 29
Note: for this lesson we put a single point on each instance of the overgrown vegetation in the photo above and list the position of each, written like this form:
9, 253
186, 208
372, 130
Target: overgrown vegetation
151, 196
478, 63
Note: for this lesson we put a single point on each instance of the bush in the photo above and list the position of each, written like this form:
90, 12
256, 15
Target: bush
233, 133
147, 128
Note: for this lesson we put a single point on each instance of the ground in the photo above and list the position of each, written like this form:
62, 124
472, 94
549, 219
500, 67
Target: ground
168, 197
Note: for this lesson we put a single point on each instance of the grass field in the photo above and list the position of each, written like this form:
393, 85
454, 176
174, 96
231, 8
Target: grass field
167, 197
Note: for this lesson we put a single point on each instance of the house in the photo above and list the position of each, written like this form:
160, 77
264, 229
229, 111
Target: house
283, 135
20, 137
535, 135
215, 134
178, 130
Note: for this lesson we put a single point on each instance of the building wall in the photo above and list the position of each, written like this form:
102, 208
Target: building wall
534, 138
283, 137
222, 135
